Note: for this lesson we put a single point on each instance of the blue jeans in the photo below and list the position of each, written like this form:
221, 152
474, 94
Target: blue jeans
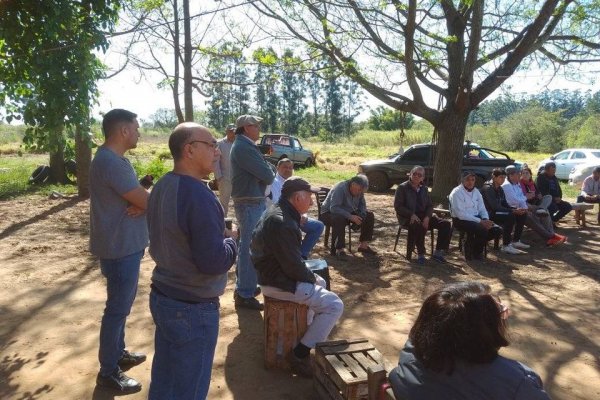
184, 348
247, 215
121, 287
313, 228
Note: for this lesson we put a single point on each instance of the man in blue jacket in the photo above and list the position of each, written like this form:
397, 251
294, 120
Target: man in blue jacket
250, 175
192, 253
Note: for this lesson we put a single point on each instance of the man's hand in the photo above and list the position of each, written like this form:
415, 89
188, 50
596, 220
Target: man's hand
487, 224
232, 233
519, 211
134, 211
303, 219
530, 195
414, 219
355, 219
425, 223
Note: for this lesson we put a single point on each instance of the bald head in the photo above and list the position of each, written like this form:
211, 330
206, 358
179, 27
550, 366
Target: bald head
182, 134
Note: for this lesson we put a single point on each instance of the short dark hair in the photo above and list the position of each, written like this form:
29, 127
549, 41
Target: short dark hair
596, 169
498, 172
239, 130
460, 321
115, 117
179, 137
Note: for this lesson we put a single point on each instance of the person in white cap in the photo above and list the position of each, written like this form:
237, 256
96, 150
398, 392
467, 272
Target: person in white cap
250, 175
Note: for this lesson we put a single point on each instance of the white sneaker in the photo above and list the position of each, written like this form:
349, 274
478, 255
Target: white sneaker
520, 245
509, 249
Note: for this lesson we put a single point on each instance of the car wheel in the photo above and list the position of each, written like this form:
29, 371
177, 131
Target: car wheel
378, 181
308, 163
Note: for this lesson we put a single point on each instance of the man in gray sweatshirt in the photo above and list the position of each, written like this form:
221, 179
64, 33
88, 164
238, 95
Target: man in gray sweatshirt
189, 244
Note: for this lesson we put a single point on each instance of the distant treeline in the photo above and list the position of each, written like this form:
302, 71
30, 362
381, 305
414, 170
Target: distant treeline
545, 122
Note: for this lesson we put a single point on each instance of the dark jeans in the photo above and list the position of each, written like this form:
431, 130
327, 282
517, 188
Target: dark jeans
477, 236
508, 222
121, 287
416, 234
559, 210
338, 226
184, 347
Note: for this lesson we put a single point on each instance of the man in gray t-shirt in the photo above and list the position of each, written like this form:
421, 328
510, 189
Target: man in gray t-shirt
118, 237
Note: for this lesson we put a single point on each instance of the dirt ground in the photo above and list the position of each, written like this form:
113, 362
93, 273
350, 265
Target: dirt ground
52, 296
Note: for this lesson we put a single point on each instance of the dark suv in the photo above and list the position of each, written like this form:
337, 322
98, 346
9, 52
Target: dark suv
383, 174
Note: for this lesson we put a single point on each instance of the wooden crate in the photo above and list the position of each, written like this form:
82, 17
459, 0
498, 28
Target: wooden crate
285, 323
341, 368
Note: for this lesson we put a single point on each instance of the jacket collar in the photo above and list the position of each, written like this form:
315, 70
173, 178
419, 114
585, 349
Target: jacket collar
287, 207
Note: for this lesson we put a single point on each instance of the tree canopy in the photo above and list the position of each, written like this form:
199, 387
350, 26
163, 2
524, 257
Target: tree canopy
459, 51
48, 69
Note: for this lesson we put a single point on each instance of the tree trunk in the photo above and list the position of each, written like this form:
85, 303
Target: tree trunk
449, 154
83, 158
187, 63
58, 173
177, 57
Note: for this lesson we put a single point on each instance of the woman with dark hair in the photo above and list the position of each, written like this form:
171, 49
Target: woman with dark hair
452, 351
531, 191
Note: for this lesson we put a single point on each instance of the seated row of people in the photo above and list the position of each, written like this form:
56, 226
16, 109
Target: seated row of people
502, 208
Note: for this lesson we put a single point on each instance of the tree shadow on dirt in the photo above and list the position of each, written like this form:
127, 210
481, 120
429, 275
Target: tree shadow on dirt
11, 365
43, 215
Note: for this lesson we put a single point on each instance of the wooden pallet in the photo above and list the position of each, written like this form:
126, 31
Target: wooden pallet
341, 368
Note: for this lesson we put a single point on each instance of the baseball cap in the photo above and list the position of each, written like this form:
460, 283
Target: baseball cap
295, 184
511, 169
230, 127
245, 120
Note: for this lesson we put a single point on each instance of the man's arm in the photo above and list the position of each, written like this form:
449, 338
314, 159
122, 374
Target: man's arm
217, 166
338, 196
253, 162
286, 248
137, 197
400, 203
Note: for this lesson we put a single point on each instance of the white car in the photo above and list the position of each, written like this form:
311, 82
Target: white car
582, 171
567, 159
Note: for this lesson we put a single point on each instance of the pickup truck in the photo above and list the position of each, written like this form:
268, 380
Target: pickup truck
383, 174
278, 146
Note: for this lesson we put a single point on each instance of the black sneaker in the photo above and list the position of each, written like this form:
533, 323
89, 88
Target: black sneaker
131, 359
300, 366
250, 303
119, 381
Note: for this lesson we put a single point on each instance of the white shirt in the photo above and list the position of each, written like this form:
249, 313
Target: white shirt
514, 195
276, 187
467, 206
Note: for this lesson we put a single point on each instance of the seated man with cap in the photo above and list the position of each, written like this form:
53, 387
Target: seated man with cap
312, 228
282, 273
470, 216
548, 184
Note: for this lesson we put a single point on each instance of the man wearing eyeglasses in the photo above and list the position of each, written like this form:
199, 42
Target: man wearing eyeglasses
250, 175
192, 251
414, 210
